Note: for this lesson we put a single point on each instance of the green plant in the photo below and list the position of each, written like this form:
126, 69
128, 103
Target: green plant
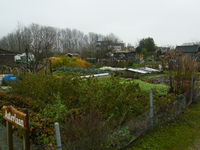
108, 70
160, 88
42, 130
55, 111
134, 65
84, 106
80, 71
119, 136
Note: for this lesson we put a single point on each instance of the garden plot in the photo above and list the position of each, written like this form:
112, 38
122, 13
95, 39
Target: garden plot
112, 68
158, 80
96, 75
144, 70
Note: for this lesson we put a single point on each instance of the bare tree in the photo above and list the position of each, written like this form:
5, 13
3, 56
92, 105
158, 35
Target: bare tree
43, 39
11, 42
57, 42
4, 43
113, 38
19, 37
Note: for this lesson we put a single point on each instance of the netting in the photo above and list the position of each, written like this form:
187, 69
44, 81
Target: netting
127, 133
17, 143
119, 137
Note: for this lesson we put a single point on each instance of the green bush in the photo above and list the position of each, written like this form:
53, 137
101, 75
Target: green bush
134, 65
56, 111
109, 96
81, 71
75, 101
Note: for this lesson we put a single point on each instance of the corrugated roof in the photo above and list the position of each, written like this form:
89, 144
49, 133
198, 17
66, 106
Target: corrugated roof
188, 48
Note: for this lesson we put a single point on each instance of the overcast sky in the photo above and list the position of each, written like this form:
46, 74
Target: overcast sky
168, 22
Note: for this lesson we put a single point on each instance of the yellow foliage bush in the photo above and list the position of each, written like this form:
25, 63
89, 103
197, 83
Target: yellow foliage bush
73, 62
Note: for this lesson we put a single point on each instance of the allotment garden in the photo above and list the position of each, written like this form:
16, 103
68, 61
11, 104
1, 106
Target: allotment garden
85, 107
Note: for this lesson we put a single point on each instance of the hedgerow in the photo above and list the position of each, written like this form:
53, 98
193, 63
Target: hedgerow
109, 103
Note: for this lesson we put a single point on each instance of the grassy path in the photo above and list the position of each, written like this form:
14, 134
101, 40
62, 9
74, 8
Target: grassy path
180, 134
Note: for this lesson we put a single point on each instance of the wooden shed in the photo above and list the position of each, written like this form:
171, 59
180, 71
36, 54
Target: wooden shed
6, 57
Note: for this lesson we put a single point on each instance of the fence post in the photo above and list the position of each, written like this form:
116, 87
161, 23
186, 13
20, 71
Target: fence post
26, 140
9, 132
58, 139
151, 109
191, 96
50, 66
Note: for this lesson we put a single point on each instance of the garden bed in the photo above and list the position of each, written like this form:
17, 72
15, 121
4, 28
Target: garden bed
158, 80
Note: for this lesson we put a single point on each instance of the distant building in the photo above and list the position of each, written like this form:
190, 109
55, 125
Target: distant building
101, 45
191, 50
6, 57
184, 44
131, 48
22, 57
70, 55
124, 55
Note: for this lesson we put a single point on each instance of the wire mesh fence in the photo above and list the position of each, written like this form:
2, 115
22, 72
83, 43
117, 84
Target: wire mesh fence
120, 137
127, 133
17, 143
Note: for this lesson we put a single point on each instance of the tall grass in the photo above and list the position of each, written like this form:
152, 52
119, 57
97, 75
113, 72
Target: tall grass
180, 73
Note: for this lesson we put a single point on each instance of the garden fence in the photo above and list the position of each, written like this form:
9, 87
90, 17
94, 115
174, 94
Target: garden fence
121, 136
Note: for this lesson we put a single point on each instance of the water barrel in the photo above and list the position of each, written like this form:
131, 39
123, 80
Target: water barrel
13, 79
7, 77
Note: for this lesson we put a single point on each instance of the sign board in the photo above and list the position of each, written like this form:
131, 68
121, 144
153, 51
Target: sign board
14, 116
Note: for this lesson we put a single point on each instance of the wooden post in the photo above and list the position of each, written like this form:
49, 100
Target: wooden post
151, 109
50, 66
9, 132
46, 65
191, 96
26, 140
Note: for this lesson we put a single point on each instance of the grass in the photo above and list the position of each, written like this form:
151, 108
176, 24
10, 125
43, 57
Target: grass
152, 62
161, 88
151, 76
177, 135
